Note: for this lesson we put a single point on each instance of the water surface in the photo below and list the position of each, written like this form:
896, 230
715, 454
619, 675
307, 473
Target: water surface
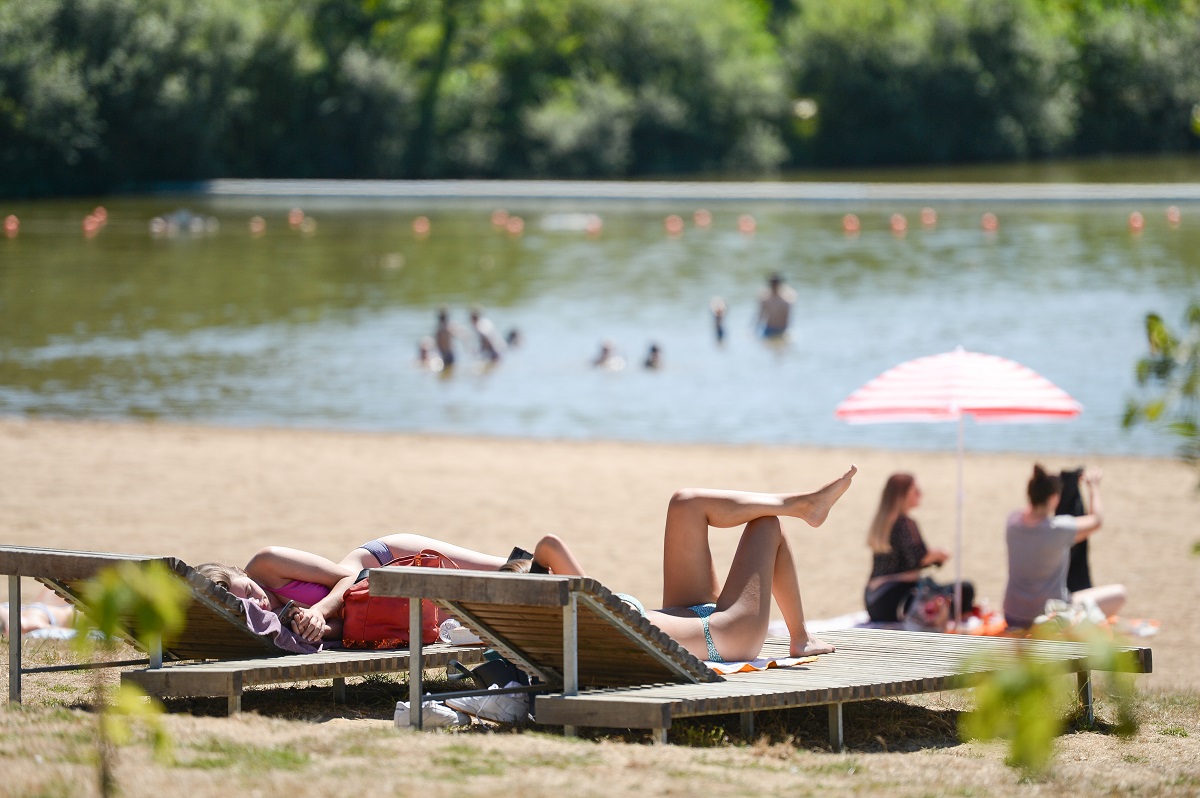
320, 328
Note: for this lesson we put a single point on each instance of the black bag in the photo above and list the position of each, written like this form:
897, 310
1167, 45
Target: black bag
495, 671
1070, 502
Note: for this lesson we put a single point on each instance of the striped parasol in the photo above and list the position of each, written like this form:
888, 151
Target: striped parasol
949, 387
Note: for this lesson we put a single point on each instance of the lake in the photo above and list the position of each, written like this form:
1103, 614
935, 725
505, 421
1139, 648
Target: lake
317, 325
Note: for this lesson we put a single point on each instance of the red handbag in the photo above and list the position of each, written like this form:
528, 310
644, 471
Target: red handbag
373, 622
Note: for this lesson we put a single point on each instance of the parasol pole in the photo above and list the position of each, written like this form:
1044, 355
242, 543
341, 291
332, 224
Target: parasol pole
958, 523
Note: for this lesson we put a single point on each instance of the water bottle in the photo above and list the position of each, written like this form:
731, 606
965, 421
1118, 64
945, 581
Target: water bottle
448, 626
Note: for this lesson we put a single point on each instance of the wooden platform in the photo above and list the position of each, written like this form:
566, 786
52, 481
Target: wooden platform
230, 678
868, 663
609, 667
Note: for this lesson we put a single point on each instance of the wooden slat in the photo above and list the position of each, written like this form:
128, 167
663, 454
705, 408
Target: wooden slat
215, 679
490, 587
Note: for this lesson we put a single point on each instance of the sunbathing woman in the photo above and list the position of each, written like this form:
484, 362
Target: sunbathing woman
713, 621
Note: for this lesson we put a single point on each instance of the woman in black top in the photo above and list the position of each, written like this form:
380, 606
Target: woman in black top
899, 553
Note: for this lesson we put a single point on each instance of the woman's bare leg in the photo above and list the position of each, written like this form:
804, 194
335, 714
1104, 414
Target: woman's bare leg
688, 573
405, 545
762, 568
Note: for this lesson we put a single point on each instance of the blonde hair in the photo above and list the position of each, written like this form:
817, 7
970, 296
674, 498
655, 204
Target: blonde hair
517, 566
219, 573
891, 505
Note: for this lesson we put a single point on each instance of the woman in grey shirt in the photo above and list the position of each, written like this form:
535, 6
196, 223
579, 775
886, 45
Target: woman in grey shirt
1039, 545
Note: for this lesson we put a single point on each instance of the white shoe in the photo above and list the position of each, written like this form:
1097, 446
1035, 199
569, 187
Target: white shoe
434, 715
503, 708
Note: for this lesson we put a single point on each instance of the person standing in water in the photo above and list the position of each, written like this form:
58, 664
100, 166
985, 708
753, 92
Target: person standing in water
775, 308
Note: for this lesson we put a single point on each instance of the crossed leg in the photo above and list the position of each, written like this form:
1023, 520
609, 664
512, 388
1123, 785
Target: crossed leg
763, 565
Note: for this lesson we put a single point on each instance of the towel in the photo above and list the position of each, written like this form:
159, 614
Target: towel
266, 623
760, 664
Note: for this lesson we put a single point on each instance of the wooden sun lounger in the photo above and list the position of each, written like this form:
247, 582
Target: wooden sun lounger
609, 667
226, 655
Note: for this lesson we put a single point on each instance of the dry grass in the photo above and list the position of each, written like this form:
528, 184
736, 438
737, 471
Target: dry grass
295, 740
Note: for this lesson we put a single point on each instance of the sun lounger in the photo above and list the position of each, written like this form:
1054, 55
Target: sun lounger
606, 666
227, 654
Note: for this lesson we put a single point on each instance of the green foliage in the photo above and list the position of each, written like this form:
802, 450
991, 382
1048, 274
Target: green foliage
150, 600
932, 81
1170, 375
100, 95
1022, 703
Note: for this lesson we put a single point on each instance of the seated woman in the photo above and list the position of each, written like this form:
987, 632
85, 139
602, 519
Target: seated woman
713, 621
1039, 545
899, 553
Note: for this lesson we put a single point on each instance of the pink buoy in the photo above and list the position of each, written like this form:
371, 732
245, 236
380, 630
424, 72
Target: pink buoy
1174, 217
258, 225
499, 218
421, 226
989, 222
898, 224
851, 224
1136, 222
101, 214
515, 225
12, 225
673, 225
928, 217
295, 217
746, 224
702, 218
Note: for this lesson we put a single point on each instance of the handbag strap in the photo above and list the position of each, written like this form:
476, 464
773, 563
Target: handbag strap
423, 554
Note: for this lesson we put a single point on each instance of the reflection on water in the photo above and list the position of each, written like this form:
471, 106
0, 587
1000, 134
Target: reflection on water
318, 324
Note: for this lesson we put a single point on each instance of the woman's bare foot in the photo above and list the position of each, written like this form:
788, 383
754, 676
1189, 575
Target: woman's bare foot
810, 646
815, 506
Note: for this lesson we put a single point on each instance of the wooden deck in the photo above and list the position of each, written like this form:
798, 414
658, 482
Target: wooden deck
869, 663
609, 667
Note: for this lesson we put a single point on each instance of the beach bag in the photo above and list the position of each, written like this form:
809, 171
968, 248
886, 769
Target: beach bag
373, 622
929, 608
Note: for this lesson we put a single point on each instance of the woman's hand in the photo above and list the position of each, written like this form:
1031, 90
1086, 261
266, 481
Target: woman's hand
308, 623
936, 557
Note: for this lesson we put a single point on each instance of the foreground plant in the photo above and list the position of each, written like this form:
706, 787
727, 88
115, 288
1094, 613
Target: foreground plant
1024, 703
149, 599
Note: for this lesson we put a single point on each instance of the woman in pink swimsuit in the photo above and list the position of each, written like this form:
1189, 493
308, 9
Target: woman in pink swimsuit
711, 620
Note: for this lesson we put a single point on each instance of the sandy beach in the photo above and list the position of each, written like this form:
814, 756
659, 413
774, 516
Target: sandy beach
201, 493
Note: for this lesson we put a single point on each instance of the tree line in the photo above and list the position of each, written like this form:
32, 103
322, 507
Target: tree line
115, 95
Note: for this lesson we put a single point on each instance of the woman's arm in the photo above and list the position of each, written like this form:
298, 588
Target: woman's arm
275, 566
550, 552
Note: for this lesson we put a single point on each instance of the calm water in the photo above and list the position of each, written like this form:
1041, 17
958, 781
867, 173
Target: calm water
320, 329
